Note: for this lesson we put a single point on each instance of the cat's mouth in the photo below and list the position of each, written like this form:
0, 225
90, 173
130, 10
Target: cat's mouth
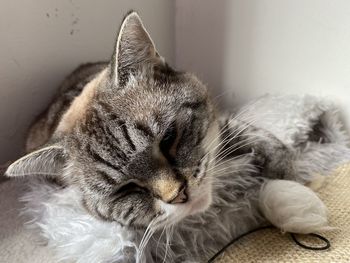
199, 200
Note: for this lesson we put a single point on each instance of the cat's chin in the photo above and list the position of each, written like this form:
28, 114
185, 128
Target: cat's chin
198, 203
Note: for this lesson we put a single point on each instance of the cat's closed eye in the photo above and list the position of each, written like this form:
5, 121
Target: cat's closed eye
131, 187
168, 143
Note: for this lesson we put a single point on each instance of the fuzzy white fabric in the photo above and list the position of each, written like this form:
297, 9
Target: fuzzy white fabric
291, 117
293, 207
64, 223
57, 214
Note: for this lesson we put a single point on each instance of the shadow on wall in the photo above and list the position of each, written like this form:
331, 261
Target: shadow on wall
200, 40
202, 43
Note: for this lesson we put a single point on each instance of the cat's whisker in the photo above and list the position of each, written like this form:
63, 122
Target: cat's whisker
149, 235
140, 252
233, 166
226, 126
36, 173
223, 129
144, 243
239, 117
160, 237
216, 175
146, 236
234, 148
249, 135
220, 154
230, 170
239, 156
247, 122
228, 137
166, 225
168, 234
236, 132
219, 183
220, 95
225, 163
155, 224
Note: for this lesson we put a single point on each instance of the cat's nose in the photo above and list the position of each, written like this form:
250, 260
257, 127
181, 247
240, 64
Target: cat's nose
181, 196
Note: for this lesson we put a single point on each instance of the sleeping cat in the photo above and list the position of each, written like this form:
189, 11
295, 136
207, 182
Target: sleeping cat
137, 147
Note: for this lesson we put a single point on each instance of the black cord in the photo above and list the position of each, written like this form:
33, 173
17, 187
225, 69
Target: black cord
234, 240
326, 241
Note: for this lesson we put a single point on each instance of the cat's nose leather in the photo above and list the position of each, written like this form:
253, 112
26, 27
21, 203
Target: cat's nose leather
181, 196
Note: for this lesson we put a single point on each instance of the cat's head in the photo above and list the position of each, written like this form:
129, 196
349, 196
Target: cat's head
137, 142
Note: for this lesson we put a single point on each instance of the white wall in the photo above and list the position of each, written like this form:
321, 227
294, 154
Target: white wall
257, 46
42, 41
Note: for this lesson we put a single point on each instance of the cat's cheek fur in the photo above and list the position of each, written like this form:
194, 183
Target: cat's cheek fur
203, 196
212, 138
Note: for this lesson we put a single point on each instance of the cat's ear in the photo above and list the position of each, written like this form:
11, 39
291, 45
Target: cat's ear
48, 161
134, 49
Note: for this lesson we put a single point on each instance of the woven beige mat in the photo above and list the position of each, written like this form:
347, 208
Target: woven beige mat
269, 245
